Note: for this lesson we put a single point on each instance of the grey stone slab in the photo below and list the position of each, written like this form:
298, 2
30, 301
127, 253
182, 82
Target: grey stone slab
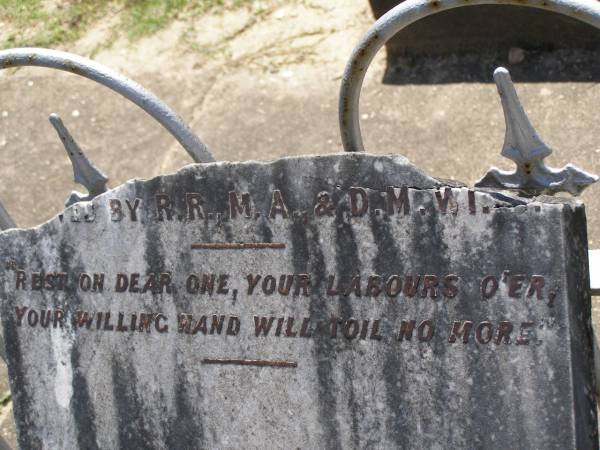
500, 355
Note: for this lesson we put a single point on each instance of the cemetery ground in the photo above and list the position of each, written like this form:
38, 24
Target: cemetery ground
255, 80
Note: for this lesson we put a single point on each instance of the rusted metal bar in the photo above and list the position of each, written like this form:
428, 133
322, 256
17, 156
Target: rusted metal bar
407, 13
251, 362
238, 246
127, 88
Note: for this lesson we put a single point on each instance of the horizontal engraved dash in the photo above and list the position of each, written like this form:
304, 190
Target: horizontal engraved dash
238, 246
251, 362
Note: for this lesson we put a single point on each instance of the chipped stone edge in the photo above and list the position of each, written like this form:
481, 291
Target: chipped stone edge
510, 199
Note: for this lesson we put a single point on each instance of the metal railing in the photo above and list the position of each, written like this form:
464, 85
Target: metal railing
527, 150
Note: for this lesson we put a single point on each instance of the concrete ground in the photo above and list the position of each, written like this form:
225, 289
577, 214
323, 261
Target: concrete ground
261, 87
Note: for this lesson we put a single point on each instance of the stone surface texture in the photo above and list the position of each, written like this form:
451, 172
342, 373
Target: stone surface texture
75, 387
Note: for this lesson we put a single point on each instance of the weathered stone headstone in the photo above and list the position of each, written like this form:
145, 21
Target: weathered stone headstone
461, 45
342, 301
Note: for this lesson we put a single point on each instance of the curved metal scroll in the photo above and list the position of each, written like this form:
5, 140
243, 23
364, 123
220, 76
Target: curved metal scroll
118, 83
405, 14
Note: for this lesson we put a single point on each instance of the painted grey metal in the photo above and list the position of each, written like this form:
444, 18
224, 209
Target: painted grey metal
409, 12
523, 145
84, 170
118, 83
594, 259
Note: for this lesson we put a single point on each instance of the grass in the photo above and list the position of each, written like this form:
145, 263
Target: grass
30, 24
145, 17
38, 23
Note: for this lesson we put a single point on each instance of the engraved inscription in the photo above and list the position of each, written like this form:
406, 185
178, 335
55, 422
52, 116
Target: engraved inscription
354, 202
504, 286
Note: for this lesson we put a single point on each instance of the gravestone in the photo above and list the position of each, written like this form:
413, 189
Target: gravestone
461, 45
340, 301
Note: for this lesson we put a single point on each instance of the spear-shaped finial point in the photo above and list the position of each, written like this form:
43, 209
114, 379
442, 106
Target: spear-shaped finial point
523, 145
84, 171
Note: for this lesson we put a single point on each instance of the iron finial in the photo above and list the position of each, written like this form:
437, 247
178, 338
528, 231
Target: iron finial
84, 171
524, 146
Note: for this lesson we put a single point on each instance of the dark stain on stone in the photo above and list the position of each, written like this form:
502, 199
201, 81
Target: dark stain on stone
307, 257
264, 230
471, 259
388, 259
509, 233
348, 264
28, 434
133, 432
184, 429
512, 233
82, 406
426, 239
23, 404
154, 251
582, 341
69, 262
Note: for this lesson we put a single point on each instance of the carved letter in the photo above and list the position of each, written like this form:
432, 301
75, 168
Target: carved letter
122, 283
425, 330
222, 287
163, 203
430, 283
359, 201
488, 291
193, 202
252, 282
116, 210
459, 328
481, 336
406, 330
504, 330
278, 205
160, 328
443, 202
536, 286
262, 325
236, 208
524, 335
133, 208
516, 282
233, 327
450, 289
20, 313
21, 277
397, 199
